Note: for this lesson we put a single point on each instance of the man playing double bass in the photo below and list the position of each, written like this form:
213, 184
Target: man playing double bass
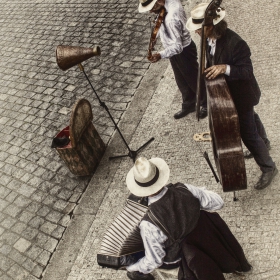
229, 54
179, 48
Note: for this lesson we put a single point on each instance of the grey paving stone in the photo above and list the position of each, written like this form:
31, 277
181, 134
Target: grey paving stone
19, 173
29, 265
26, 216
12, 210
33, 252
37, 271
36, 222
17, 272
5, 263
6, 277
3, 204
22, 201
19, 227
14, 185
8, 222
22, 245
54, 216
43, 258
4, 191
48, 227
9, 238
57, 234
26, 190
17, 256
5, 179
5, 249
65, 220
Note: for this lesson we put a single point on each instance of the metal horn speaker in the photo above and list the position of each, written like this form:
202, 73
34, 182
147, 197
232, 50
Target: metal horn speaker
68, 56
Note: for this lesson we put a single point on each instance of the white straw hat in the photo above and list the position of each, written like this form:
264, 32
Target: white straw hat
197, 16
146, 5
147, 177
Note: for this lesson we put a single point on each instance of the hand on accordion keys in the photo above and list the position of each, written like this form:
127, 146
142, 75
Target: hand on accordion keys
131, 259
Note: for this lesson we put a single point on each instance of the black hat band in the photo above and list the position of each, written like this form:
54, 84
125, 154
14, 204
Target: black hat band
150, 183
147, 3
197, 21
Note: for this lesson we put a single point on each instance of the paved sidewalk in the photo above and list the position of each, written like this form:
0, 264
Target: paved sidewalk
254, 218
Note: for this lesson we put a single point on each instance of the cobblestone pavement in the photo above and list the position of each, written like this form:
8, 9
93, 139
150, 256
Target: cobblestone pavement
37, 192
254, 218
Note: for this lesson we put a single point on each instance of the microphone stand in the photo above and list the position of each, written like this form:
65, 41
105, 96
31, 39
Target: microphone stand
132, 154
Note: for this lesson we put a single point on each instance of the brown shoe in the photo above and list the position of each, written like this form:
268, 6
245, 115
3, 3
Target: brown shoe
266, 179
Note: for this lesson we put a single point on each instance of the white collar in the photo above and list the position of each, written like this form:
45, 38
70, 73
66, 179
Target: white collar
211, 42
152, 199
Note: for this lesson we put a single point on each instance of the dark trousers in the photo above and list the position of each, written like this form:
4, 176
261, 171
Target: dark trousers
201, 266
185, 68
260, 129
254, 138
211, 250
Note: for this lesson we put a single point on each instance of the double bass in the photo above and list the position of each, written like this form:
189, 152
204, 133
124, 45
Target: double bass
223, 118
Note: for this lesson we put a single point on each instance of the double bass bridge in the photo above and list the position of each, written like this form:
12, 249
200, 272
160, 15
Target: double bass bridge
202, 137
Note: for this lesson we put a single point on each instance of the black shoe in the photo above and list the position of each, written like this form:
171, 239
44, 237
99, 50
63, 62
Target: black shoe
136, 275
248, 154
266, 179
184, 112
203, 113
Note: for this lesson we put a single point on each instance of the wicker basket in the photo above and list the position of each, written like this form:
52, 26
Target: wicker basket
86, 148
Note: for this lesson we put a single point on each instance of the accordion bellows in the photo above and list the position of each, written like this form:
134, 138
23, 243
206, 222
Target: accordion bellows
123, 236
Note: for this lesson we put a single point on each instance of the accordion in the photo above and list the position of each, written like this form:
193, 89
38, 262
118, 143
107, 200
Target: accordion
122, 240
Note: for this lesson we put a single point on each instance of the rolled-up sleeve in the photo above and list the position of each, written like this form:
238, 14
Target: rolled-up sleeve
208, 200
175, 45
153, 240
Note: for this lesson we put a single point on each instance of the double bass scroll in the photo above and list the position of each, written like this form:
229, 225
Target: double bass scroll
210, 14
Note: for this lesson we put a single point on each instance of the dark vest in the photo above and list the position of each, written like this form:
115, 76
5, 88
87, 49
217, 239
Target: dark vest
176, 214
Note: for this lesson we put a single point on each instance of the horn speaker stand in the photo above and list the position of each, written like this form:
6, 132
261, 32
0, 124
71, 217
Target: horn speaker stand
132, 154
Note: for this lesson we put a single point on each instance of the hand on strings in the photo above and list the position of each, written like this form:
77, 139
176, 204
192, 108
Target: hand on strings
154, 58
215, 70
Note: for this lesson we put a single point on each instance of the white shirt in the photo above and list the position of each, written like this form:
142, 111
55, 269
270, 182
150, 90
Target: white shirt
212, 44
153, 238
173, 32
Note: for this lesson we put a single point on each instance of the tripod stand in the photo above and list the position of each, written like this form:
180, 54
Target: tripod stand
131, 153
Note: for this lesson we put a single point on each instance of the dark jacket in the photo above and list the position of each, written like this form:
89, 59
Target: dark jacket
212, 238
231, 49
176, 214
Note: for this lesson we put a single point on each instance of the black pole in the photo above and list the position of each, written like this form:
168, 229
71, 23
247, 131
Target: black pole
211, 166
131, 154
